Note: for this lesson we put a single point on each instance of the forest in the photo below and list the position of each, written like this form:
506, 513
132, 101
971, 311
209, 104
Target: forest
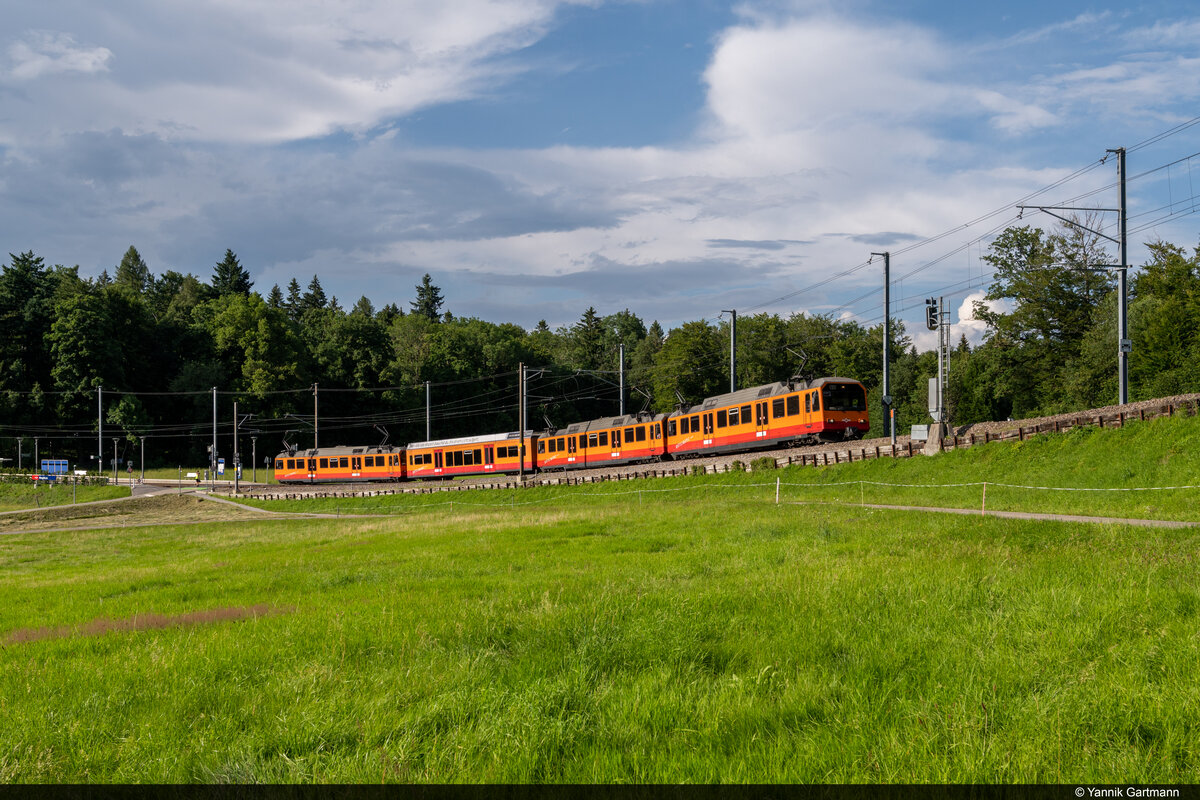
159, 344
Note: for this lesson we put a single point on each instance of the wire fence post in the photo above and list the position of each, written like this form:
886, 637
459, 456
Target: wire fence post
983, 508
776, 491
862, 499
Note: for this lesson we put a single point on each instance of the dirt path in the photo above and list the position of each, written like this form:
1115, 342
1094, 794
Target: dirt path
970, 512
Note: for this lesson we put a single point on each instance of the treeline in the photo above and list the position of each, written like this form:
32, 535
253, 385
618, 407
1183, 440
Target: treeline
159, 343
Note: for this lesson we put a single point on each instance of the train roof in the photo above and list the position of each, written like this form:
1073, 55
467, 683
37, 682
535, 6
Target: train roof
485, 439
759, 393
341, 450
604, 423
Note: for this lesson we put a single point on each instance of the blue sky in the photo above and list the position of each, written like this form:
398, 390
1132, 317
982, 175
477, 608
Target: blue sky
537, 157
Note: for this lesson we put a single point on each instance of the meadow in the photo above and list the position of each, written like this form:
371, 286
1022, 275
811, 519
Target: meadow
679, 630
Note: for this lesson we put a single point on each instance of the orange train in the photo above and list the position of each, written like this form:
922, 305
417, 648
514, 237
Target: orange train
762, 417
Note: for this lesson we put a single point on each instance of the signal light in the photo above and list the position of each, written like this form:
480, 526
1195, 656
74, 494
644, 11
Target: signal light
931, 314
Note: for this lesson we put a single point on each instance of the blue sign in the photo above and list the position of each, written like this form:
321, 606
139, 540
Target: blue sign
220, 466
54, 466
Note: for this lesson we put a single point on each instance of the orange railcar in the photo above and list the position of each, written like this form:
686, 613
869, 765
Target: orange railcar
609, 440
471, 455
341, 465
827, 409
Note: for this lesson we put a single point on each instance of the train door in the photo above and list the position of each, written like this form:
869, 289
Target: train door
708, 428
312, 469
761, 420
489, 458
437, 461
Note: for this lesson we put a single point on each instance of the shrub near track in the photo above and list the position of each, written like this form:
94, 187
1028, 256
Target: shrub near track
707, 636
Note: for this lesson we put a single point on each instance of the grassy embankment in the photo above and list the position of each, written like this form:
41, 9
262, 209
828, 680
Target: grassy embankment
17, 496
697, 635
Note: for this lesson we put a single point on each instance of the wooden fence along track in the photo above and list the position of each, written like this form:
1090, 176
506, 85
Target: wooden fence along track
820, 459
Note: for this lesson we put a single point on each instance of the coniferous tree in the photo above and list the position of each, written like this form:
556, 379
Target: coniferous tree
429, 300
294, 299
229, 277
275, 298
314, 298
133, 273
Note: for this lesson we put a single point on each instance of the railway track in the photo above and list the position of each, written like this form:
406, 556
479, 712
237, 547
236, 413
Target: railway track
816, 455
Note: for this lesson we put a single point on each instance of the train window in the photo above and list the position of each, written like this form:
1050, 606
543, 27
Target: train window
777, 410
279, 464
370, 461
670, 427
560, 445
458, 458
658, 431
324, 463
604, 438
807, 403
541, 447
685, 425
343, 463
721, 418
696, 424
593, 440
641, 433
291, 463
816, 396
793, 405
629, 435
478, 456
745, 415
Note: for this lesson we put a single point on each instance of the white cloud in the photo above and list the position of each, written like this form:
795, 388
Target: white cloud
259, 72
41, 53
825, 136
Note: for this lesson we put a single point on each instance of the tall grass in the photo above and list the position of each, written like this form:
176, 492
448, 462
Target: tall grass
607, 634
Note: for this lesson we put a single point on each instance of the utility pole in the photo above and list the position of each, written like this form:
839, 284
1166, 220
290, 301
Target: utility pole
428, 438
889, 421
142, 462
236, 482
315, 445
212, 460
114, 460
621, 373
732, 349
36, 463
1124, 344
100, 429
21, 455
254, 456
521, 419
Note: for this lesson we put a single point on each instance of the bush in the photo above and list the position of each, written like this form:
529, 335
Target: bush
737, 466
697, 469
763, 463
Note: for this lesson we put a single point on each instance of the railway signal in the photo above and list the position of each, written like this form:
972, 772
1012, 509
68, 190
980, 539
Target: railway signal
931, 313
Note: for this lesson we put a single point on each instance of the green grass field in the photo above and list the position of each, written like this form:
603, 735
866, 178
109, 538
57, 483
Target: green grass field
682, 630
